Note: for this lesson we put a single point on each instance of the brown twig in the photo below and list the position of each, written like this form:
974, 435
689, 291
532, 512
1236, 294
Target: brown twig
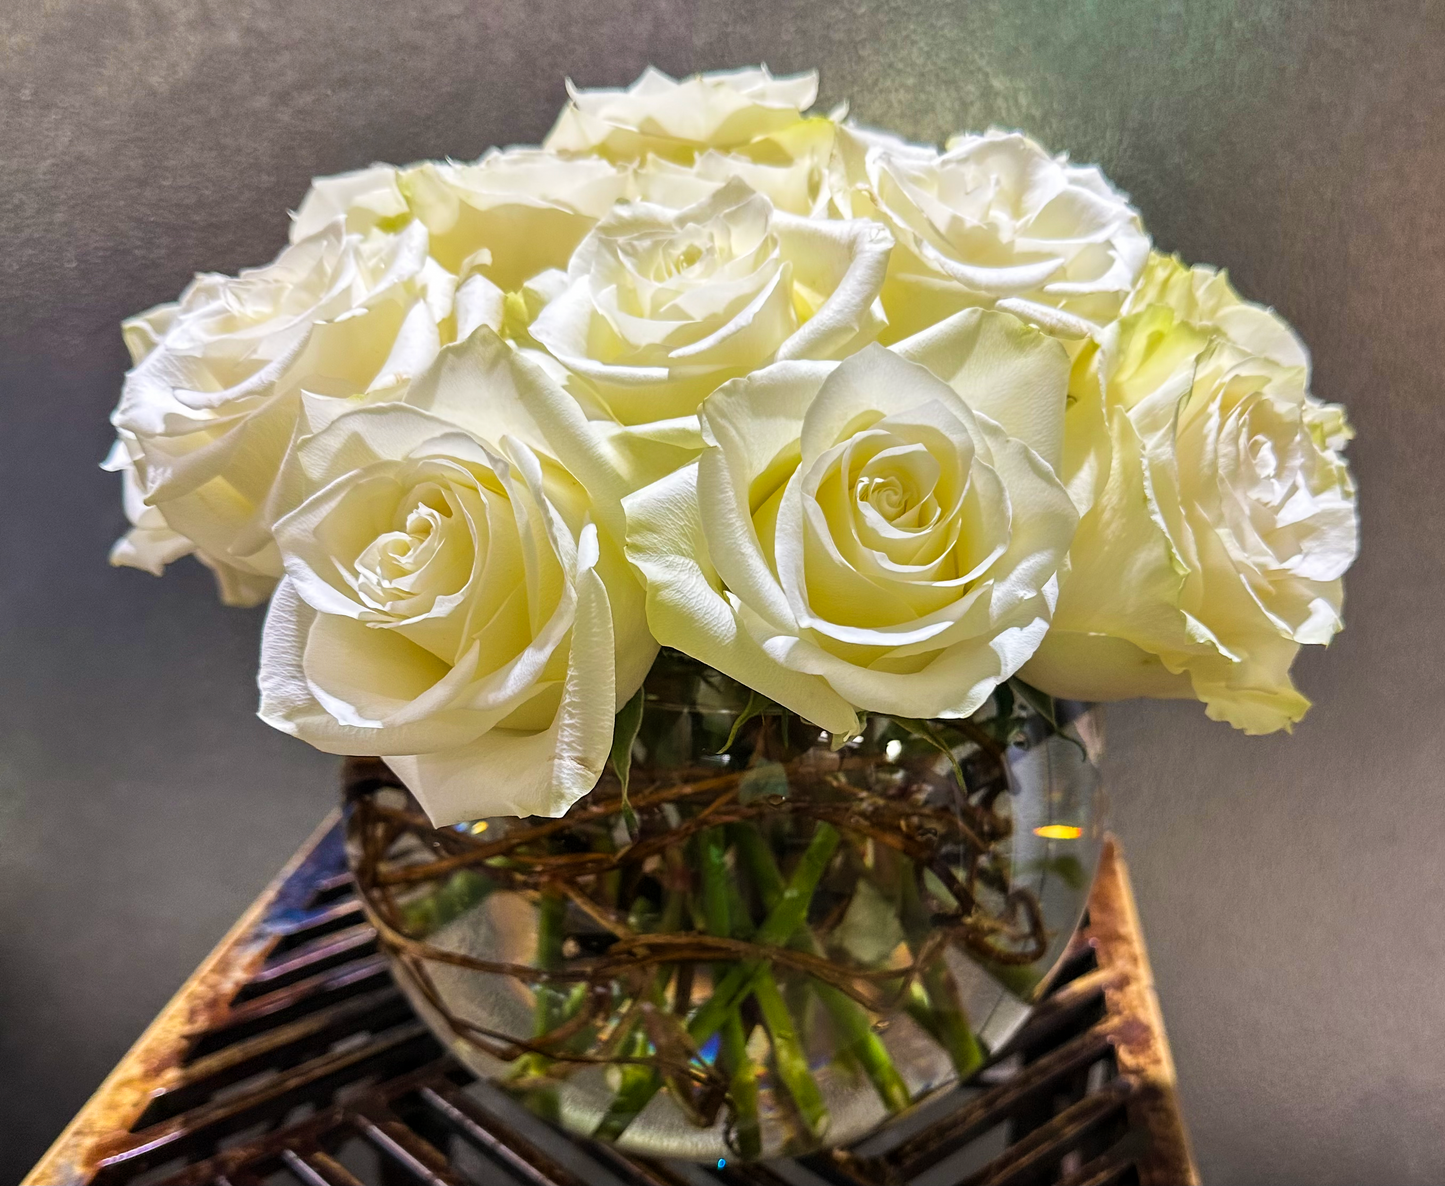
624, 987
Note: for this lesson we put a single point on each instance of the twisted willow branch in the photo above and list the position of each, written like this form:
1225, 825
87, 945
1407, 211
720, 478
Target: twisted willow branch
606, 1001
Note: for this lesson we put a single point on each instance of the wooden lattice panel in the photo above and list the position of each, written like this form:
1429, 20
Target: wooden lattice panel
291, 1057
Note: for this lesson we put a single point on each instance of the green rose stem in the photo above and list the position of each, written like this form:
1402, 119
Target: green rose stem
762, 868
429, 912
637, 1080
610, 884
854, 1031
856, 1035
551, 1002
637, 1077
712, 851
954, 1029
920, 1008
785, 918
789, 1058
950, 1024
723, 914
743, 1086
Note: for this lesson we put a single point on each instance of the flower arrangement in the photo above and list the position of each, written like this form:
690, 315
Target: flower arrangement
865, 425
900, 445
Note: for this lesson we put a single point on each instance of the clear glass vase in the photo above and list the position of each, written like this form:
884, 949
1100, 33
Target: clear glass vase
767, 946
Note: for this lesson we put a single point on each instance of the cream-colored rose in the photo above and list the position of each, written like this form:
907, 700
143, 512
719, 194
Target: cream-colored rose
1221, 513
451, 603
874, 534
508, 216
994, 222
365, 200
793, 173
151, 544
225, 379
659, 306
657, 114
1203, 296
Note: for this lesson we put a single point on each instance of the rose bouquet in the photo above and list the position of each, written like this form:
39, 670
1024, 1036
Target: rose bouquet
894, 452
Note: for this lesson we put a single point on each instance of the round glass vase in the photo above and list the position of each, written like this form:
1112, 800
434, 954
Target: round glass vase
768, 945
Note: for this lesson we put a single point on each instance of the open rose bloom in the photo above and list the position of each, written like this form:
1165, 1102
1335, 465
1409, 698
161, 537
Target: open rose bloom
866, 425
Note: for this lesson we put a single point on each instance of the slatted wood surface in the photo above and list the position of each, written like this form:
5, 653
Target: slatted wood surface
291, 1057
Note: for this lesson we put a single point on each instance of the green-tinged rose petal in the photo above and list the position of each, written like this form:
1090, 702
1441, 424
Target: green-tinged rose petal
1219, 517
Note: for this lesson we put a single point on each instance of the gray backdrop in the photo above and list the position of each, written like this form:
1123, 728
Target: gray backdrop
1289, 886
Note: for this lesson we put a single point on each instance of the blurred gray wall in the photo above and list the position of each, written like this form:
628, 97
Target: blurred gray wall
1290, 886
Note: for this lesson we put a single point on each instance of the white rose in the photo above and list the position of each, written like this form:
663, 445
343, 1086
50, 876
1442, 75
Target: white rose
151, 544
228, 376
995, 222
793, 173
1198, 297
660, 306
512, 214
364, 199
1203, 295
865, 534
727, 109
1222, 515
450, 602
